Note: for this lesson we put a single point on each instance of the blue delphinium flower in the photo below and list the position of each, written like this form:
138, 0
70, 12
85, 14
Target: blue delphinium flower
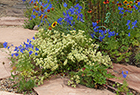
16, 54
120, 12
124, 74
138, 3
129, 34
65, 5
36, 54
135, 7
33, 38
94, 24
36, 49
30, 52
119, 8
5, 44
128, 27
128, 21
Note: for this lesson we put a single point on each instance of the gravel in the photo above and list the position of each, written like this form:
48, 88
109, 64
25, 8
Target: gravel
6, 85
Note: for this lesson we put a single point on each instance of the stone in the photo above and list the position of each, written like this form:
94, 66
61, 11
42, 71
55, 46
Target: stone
8, 93
58, 86
133, 77
12, 21
15, 35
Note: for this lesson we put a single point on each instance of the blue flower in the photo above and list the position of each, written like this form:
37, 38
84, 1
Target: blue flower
95, 29
36, 49
128, 27
30, 52
33, 16
135, 7
128, 21
8, 47
120, 12
33, 38
21, 50
134, 23
124, 74
94, 24
138, 3
5, 44
65, 5
16, 48
36, 54
119, 8
92, 35
16, 54
129, 34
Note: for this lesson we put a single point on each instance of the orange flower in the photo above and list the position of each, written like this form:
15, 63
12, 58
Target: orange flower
37, 9
98, 21
45, 16
42, 10
31, 2
89, 11
41, 16
35, 6
48, 10
50, 28
41, 7
52, 8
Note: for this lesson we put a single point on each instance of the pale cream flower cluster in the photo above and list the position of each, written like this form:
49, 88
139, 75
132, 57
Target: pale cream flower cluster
74, 47
74, 80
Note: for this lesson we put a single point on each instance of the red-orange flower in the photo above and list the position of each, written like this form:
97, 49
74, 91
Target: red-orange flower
37, 9
98, 21
52, 8
89, 11
42, 10
48, 10
45, 16
50, 28
132, 7
41, 7
106, 2
119, 4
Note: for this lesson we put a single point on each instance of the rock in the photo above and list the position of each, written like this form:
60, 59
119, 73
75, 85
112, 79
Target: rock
12, 21
58, 87
133, 77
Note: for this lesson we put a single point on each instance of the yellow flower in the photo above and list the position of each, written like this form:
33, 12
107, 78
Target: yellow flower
54, 24
125, 2
130, 2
